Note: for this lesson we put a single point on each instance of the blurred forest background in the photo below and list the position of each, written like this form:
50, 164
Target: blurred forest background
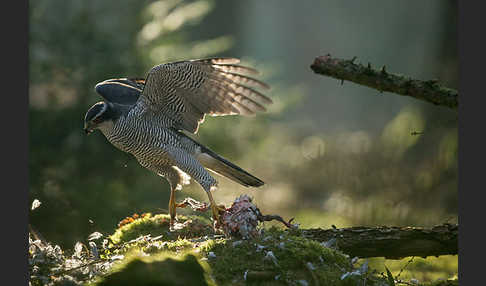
329, 153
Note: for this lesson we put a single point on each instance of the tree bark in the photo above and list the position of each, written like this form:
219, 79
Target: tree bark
390, 242
430, 91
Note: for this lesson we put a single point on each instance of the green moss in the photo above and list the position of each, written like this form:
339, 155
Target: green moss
297, 258
174, 246
159, 225
163, 269
226, 261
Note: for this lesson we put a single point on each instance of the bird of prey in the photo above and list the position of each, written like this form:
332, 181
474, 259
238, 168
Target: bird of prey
148, 117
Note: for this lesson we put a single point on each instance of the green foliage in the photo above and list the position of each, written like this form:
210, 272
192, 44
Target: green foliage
421, 269
389, 276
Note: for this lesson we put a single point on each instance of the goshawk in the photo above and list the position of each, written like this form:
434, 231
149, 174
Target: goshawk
147, 117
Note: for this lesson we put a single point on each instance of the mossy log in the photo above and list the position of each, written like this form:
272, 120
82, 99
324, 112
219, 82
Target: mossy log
390, 242
276, 257
144, 251
382, 80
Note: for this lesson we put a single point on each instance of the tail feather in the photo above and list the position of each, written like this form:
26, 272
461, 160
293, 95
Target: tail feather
214, 162
219, 165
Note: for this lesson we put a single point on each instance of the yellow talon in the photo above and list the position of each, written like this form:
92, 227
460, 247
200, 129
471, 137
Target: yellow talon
215, 209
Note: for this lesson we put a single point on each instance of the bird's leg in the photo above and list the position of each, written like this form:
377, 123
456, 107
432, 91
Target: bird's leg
186, 163
214, 208
172, 206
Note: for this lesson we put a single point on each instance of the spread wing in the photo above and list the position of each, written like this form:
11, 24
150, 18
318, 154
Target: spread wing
125, 91
187, 90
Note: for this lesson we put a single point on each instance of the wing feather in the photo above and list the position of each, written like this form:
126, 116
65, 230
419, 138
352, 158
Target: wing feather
185, 91
241, 89
238, 78
125, 91
251, 105
236, 69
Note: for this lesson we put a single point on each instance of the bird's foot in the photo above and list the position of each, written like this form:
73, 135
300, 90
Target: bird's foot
172, 221
193, 204
217, 211
176, 226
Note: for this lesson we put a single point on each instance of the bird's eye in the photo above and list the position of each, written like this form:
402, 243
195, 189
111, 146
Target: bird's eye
97, 120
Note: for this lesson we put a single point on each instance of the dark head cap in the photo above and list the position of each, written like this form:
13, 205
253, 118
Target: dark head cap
94, 116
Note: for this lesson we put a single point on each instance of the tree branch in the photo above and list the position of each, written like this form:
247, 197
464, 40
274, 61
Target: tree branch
390, 242
430, 91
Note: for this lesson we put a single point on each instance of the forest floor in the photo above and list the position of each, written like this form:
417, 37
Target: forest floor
143, 248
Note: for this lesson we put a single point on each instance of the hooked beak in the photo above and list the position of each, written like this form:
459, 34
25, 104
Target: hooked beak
87, 129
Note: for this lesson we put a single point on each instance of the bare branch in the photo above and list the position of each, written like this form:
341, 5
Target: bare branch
430, 91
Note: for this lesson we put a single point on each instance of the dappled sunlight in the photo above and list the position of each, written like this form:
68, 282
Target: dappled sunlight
201, 49
337, 202
448, 149
313, 147
267, 70
291, 156
160, 35
424, 179
285, 97
396, 136
371, 211
357, 142
52, 189
168, 16
332, 172
50, 94
159, 9
313, 218
190, 12
275, 197
351, 142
